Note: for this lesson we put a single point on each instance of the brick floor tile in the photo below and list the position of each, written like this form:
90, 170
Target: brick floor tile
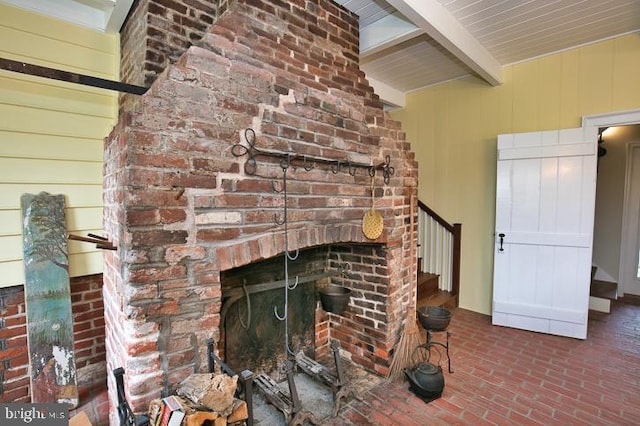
507, 377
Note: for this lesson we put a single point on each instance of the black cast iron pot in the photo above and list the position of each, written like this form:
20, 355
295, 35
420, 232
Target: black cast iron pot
434, 318
335, 298
425, 380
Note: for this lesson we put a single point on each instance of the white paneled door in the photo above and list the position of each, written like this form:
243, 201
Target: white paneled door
545, 201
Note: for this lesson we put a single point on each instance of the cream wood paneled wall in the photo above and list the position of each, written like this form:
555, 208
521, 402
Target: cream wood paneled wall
51, 133
453, 127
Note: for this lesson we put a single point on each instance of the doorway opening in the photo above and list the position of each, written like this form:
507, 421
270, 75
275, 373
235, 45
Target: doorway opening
616, 229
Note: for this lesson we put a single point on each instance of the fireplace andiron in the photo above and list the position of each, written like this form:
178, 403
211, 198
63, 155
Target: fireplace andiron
338, 383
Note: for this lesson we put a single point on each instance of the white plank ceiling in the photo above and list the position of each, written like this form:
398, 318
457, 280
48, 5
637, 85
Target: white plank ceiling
440, 40
406, 45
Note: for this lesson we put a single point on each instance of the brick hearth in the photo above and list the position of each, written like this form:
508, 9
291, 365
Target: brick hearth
182, 209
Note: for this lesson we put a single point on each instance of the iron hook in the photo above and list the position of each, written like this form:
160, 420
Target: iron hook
352, 170
294, 285
295, 256
280, 318
308, 167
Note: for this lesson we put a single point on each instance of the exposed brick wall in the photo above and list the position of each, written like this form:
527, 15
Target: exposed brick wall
181, 208
15, 359
88, 335
157, 32
362, 328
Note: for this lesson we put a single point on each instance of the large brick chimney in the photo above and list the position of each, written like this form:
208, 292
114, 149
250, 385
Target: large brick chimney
182, 208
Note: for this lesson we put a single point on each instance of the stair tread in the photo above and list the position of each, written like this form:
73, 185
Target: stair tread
438, 298
604, 289
427, 275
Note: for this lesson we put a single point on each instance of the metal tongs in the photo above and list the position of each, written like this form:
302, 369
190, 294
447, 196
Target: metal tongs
99, 241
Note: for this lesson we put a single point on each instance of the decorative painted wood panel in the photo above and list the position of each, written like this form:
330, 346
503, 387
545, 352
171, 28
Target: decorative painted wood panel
48, 300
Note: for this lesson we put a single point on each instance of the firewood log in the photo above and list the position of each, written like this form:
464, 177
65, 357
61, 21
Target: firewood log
240, 411
214, 391
199, 417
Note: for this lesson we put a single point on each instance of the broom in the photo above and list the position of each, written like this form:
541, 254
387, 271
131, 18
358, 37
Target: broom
412, 336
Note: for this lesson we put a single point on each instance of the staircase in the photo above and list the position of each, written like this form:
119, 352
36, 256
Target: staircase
601, 293
438, 259
430, 295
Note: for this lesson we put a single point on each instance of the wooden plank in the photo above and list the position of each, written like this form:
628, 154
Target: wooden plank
12, 273
26, 90
82, 264
540, 312
9, 222
76, 195
84, 219
11, 248
52, 52
79, 220
33, 145
41, 26
19, 170
51, 122
548, 238
48, 300
547, 151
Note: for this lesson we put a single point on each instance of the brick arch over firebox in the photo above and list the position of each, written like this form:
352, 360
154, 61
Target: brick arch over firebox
181, 208
240, 253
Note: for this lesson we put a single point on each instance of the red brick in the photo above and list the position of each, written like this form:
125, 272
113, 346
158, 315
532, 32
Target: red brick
172, 215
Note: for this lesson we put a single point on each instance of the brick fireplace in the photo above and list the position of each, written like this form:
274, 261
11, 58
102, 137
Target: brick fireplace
186, 213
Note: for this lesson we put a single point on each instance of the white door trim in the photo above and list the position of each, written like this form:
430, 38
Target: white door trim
616, 118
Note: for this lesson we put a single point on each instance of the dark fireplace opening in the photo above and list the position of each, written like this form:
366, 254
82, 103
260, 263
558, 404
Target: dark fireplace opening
252, 333
252, 330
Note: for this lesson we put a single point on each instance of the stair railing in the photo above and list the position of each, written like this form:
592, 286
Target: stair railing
439, 247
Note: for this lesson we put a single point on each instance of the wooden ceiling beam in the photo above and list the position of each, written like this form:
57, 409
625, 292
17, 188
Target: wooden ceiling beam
431, 17
386, 33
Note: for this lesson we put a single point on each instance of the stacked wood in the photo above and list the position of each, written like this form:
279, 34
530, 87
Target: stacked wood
208, 399
213, 391
238, 415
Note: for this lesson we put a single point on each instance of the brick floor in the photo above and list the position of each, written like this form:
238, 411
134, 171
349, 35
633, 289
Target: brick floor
505, 376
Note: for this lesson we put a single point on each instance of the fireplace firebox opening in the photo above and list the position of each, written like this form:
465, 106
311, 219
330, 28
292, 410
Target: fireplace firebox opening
252, 336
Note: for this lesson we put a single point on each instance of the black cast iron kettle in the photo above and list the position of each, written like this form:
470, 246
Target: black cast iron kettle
426, 380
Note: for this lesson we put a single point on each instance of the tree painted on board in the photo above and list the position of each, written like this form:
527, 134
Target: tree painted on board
43, 241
